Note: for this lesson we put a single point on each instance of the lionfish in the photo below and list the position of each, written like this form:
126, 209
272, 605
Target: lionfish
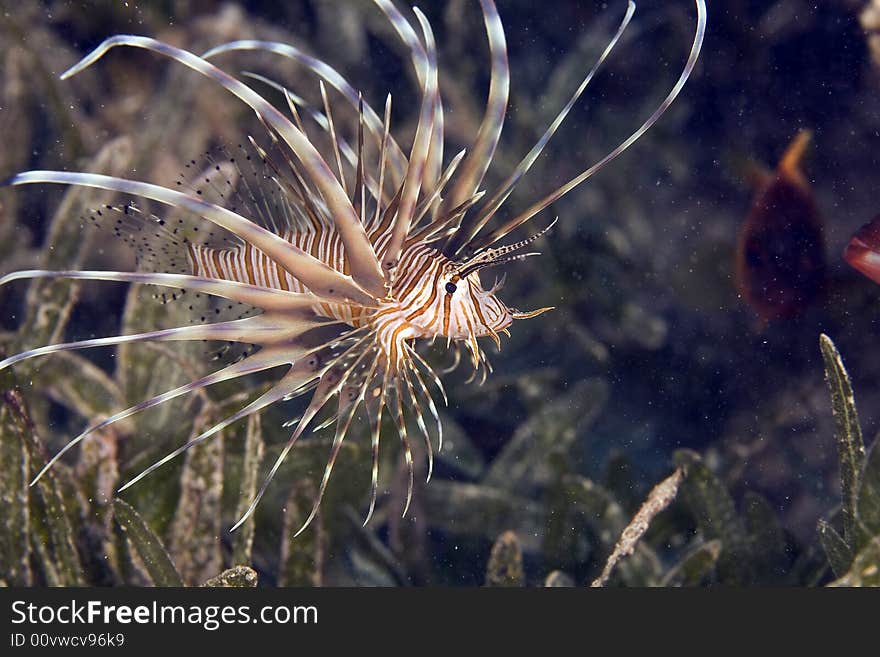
349, 262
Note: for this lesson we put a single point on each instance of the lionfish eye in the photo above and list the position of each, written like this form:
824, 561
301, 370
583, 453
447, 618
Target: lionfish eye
451, 288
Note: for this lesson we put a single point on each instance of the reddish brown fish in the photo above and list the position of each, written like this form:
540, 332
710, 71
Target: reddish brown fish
780, 257
863, 250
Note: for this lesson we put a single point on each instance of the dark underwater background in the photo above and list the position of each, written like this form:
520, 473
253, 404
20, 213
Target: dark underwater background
653, 359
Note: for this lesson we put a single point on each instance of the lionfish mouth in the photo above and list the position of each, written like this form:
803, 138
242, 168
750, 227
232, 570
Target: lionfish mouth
318, 240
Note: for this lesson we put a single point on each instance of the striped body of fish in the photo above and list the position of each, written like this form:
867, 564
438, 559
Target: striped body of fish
420, 304
350, 253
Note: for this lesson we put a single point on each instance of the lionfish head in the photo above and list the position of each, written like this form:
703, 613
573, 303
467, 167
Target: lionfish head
494, 315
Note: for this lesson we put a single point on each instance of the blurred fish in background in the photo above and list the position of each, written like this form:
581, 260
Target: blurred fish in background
780, 255
863, 250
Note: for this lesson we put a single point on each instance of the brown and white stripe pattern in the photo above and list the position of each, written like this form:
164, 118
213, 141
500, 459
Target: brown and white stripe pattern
370, 257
